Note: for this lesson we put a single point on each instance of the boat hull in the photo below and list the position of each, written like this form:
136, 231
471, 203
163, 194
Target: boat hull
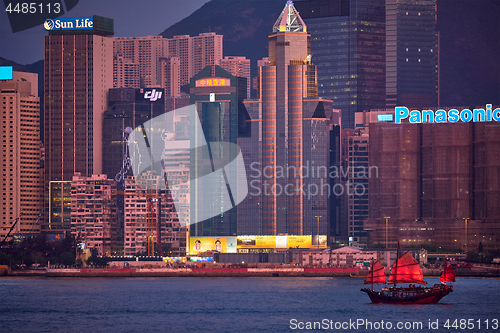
409, 295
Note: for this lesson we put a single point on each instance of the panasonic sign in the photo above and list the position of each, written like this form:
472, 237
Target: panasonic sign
69, 23
442, 116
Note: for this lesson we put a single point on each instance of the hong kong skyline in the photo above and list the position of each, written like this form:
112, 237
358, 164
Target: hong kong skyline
250, 165
457, 32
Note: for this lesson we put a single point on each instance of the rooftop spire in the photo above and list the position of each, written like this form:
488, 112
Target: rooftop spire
289, 20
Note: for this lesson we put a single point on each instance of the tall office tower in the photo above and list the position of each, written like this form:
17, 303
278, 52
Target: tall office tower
170, 76
218, 97
355, 166
348, 46
144, 52
127, 110
338, 231
294, 125
78, 74
194, 53
438, 184
20, 155
93, 213
145, 217
411, 53
238, 66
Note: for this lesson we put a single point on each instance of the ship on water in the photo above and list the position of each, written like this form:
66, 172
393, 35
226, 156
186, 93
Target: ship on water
407, 270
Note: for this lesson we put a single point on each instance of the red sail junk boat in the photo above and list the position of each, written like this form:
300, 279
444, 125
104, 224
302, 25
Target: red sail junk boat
407, 270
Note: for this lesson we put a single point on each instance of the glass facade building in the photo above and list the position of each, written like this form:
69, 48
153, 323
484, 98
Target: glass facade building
348, 47
218, 97
411, 53
78, 73
290, 131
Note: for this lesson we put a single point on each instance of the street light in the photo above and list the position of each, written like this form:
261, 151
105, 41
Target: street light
386, 225
317, 239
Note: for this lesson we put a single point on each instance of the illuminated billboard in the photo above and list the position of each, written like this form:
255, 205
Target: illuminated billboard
213, 82
219, 244
256, 242
281, 242
152, 95
232, 244
299, 242
69, 23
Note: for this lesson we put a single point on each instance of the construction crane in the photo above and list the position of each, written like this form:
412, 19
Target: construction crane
11, 228
150, 218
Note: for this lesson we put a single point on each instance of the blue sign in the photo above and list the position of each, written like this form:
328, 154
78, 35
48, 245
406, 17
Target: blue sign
69, 23
452, 116
385, 117
5, 72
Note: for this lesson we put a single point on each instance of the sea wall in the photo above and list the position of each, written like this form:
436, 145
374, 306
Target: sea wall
201, 272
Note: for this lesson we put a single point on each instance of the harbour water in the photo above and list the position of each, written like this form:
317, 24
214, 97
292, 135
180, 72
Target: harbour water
233, 305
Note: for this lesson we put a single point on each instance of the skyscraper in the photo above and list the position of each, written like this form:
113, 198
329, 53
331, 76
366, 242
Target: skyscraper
20, 154
293, 137
411, 53
348, 46
78, 74
218, 98
354, 150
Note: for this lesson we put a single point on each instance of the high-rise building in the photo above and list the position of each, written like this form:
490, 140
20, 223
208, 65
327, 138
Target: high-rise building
290, 172
22, 192
218, 97
411, 53
338, 231
437, 184
137, 54
78, 74
127, 110
348, 46
126, 73
170, 76
239, 67
207, 50
94, 220
141, 62
355, 167
151, 218
194, 53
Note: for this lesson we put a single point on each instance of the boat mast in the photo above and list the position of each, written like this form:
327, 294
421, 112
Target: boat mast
372, 273
396, 268
444, 271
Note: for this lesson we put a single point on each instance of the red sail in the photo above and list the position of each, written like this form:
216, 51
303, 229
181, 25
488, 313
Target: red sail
376, 275
408, 270
448, 275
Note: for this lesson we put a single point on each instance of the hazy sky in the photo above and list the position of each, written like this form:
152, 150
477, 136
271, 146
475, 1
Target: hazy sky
132, 18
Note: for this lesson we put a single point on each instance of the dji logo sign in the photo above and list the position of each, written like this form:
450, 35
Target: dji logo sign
152, 95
